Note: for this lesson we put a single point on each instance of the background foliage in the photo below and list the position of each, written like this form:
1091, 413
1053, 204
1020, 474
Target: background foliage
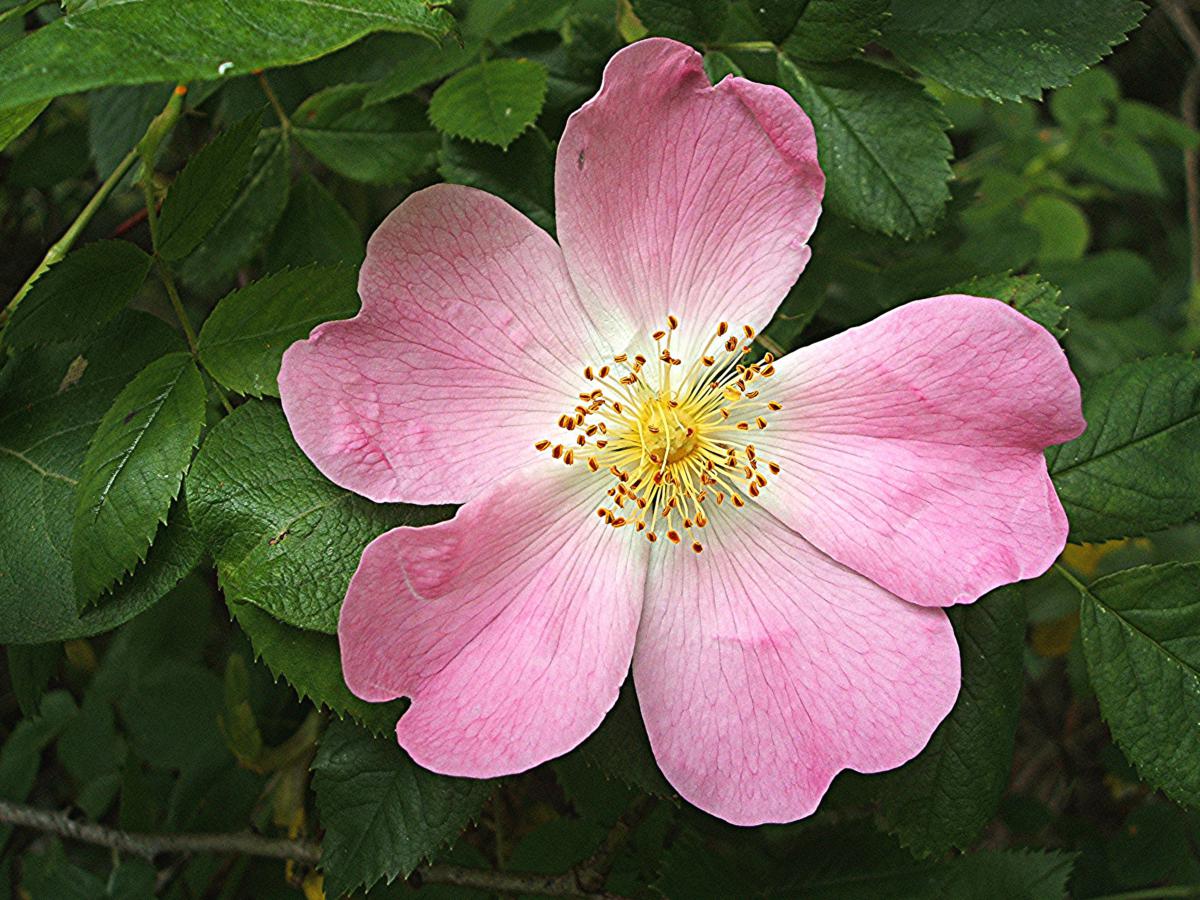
172, 565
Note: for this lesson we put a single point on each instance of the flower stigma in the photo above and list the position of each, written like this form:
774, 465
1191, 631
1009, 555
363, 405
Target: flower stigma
672, 439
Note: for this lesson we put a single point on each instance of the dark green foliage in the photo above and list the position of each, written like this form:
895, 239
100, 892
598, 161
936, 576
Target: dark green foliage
382, 813
79, 296
1141, 639
1135, 469
172, 659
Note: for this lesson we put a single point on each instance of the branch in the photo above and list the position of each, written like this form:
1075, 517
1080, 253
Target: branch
149, 846
583, 881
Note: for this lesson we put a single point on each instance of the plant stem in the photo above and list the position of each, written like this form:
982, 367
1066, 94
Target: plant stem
1067, 574
60, 247
21, 11
568, 884
284, 122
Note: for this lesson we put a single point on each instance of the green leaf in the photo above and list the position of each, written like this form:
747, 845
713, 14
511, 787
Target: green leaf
492, 101
15, 120
29, 670
117, 119
1141, 640
1151, 123
500, 21
1135, 469
75, 298
133, 471
1117, 160
241, 231
205, 189
1061, 225
523, 174
163, 40
1009, 874
384, 143
242, 341
777, 18
1088, 100
420, 63
312, 664
20, 755
1111, 284
1027, 294
51, 400
881, 141
382, 813
1006, 51
690, 21
315, 228
283, 536
833, 30
944, 797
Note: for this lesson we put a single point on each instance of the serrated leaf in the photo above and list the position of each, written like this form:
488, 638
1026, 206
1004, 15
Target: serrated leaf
200, 40
777, 18
384, 143
283, 536
523, 174
1009, 874
1141, 640
1010, 50
242, 341
881, 141
1135, 469
833, 30
382, 813
943, 798
75, 298
492, 101
423, 63
133, 471
16, 119
205, 189
315, 228
51, 400
245, 225
691, 21
1026, 294
29, 670
311, 663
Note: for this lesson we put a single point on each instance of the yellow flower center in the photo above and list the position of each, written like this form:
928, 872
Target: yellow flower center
671, 438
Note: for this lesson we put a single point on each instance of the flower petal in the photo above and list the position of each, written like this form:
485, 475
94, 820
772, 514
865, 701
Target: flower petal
677, 197
912, 447
511, 626
763, 668
465, 352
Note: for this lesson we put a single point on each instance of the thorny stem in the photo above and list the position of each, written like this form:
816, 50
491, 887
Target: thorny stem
576, 882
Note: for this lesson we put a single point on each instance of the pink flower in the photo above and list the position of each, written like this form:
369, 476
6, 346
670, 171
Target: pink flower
769, 544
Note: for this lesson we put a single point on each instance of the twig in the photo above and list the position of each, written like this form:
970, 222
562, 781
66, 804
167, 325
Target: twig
280, 113
149, 846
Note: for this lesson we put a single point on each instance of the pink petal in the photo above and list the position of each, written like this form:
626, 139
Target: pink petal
911, 447
677, 197
763, 668
466, 351
510, 626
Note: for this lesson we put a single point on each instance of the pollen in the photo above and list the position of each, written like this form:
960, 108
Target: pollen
671, 435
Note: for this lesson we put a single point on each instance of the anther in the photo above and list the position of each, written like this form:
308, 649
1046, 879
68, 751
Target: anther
722, 328
673, 536
542, 445
672, 322
697, 546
